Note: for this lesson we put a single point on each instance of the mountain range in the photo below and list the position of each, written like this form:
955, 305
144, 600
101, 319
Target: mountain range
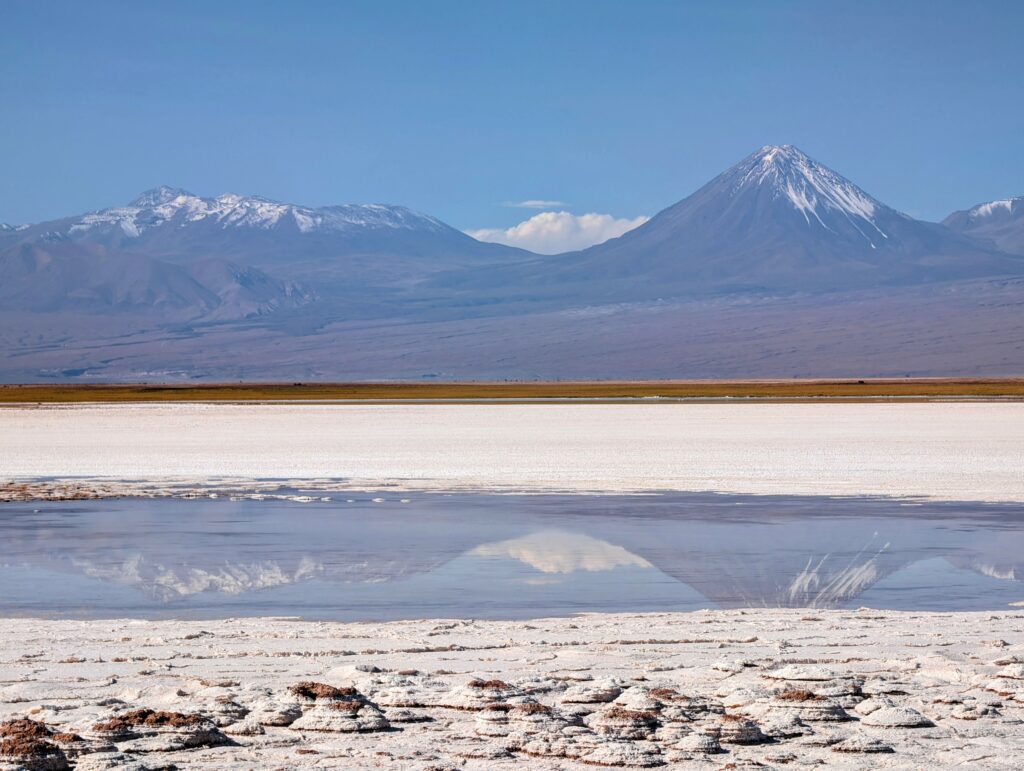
778, 221
177, 254
171, 284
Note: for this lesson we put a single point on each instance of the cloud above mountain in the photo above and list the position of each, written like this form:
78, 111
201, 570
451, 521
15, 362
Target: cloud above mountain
537, 203
553, 232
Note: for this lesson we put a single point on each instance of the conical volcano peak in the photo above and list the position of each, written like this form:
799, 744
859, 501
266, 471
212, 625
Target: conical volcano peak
781, 161
781, 154
813, 189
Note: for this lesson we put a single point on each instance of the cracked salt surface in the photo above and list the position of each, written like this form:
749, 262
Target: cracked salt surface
842, 689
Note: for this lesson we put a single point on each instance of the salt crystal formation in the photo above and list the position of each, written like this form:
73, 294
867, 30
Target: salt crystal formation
896, 717
571, 694
147, 730
336, 710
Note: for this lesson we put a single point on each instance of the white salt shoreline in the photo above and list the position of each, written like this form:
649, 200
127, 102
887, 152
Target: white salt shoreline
920, 689
936, 450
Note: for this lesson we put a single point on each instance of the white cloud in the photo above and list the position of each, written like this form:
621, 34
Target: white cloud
536, 203
552, 232
555, 551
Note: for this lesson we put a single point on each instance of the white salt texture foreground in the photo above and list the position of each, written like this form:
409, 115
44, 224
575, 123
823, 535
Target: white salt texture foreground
939, 450
711, 689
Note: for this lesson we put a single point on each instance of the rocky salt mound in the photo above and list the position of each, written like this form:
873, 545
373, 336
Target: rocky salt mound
714, 689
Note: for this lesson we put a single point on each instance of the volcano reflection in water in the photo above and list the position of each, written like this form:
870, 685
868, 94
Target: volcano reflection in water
504, 556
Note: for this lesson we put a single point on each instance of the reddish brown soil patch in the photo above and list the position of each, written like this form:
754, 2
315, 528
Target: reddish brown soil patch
17, 747
667, 694
634, 715
499, 684
148, 717
346, 706
533, 709
311, 690
798, 694
498, 706
27, 740
25, 729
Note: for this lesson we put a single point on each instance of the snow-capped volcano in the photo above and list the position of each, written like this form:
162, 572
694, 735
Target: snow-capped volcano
817, 192
164, 205
1001, 222
777, 221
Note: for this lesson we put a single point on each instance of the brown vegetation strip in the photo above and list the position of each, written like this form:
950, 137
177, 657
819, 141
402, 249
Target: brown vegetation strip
767, 389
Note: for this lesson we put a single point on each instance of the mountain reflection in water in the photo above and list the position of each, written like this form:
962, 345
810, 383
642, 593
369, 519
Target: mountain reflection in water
503, 556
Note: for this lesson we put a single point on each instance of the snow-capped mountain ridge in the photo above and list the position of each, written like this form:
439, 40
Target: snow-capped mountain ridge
178, 257
1000, 221
163, 205
984, 210
811, 188
159, 195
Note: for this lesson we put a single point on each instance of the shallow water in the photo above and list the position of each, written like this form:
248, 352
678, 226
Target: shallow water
495, 556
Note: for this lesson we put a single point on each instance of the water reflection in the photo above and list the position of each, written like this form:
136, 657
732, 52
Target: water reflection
503, 556
169, 582
556, 551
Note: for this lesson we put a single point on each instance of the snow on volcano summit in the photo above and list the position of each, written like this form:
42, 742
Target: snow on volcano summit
813, 189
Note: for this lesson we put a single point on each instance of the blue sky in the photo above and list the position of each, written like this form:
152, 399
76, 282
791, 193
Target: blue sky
460, 108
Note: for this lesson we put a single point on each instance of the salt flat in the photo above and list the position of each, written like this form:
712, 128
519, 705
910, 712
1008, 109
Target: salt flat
719, 688
940, 450
711, 689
